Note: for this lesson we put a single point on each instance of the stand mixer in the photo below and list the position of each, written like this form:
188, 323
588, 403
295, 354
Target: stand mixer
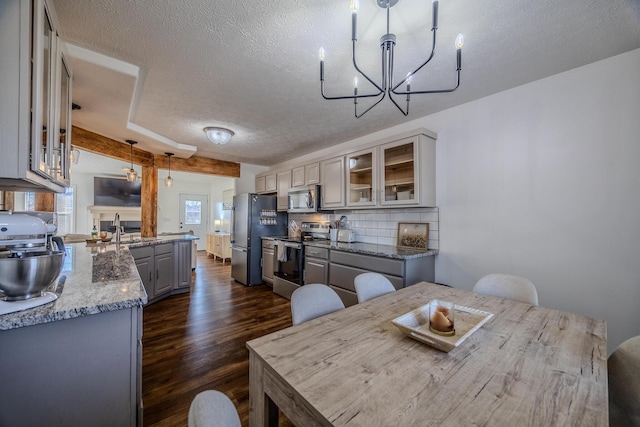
28, 265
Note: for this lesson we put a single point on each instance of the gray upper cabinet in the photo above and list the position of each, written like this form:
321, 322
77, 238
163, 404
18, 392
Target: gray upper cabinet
305, 175
35, 98
332, 192
297, 177
284, 183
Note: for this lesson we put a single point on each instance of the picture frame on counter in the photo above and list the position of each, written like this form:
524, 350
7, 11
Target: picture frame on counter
413, 235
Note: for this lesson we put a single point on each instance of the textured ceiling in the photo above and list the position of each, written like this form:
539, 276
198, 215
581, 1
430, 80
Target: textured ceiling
159, 71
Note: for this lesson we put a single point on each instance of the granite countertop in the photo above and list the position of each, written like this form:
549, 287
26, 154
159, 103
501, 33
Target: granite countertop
94, 279
373, 249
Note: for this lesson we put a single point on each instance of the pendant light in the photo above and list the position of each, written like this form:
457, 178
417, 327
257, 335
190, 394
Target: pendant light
168, 180
131, 173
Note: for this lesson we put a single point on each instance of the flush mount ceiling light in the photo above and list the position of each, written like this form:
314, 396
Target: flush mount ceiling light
218, 136
387, 45
131, 173
168, 180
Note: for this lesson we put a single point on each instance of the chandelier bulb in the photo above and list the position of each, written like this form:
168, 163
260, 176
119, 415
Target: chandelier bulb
459, 41
354, 6
355, 82
321, 54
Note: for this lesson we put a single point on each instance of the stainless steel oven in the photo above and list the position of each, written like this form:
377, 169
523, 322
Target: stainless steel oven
288, 265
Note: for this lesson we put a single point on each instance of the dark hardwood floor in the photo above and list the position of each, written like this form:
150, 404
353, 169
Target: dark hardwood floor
196, 341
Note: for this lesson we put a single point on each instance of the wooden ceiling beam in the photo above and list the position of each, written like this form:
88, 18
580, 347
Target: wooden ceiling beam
108, 147
197, 164
95, 143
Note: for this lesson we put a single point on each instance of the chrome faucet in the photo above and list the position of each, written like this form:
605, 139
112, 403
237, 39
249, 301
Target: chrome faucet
116, 223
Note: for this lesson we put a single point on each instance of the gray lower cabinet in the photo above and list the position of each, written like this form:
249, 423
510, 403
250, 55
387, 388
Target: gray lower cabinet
182, 266
345, 266
316, 265
165, 269
85, 371
268, 260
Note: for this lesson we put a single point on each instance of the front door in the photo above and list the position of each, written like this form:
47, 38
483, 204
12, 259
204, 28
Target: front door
194, 216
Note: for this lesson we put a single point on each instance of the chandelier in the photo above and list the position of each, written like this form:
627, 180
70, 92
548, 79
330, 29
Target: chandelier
387, 87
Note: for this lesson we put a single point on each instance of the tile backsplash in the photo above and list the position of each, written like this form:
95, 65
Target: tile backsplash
380, 225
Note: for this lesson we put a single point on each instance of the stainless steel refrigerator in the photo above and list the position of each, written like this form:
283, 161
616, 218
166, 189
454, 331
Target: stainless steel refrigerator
254, 216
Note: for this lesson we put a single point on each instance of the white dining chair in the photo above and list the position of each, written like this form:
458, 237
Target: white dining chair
371, 285
624, 384
211, 408
507, 286
313, 300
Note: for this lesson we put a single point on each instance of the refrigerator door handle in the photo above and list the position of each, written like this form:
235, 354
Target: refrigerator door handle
233, 225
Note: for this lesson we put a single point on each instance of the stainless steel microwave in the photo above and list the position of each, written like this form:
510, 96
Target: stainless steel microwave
304, 199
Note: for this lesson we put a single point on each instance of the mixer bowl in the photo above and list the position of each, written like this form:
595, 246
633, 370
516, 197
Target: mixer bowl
26, 276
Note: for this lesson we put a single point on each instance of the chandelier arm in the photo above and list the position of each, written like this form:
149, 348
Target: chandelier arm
370, 95
355, 65
433, 51
420, 92
406, 113
355, 107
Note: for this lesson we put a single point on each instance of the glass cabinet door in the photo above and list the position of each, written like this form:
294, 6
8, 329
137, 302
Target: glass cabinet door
43, 65
361, 179
62, 142
399, 169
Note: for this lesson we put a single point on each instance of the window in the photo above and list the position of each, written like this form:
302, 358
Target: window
193, 212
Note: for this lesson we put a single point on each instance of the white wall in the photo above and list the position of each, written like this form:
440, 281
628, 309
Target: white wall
542, 181
247, 181
190, 183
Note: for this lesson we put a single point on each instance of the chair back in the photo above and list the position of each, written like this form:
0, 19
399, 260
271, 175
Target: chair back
371, 285
314, 300
507, 286
624, 384
212, 408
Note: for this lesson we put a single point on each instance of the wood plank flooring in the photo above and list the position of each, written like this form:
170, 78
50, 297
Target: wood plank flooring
196, 341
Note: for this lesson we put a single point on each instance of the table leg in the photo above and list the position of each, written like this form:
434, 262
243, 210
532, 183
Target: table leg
262, 411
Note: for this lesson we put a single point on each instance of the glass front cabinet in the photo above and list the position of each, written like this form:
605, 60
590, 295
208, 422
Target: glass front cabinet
361, 178
408, 172
396, 174
35, 100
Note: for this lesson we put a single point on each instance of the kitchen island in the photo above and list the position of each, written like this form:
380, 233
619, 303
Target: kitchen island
77, 360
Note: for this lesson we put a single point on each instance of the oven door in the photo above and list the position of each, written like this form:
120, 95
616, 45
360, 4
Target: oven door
287, 274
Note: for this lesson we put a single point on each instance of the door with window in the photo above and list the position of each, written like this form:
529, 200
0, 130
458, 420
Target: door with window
194, 215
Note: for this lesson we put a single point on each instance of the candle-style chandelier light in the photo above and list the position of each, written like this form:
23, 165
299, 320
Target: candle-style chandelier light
387, 85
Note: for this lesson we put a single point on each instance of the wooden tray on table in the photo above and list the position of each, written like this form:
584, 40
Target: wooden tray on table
415, 324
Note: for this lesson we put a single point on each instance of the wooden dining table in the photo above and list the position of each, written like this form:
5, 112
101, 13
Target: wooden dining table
527, 365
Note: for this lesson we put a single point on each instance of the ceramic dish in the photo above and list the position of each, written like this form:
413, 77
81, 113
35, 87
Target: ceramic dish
415, 324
